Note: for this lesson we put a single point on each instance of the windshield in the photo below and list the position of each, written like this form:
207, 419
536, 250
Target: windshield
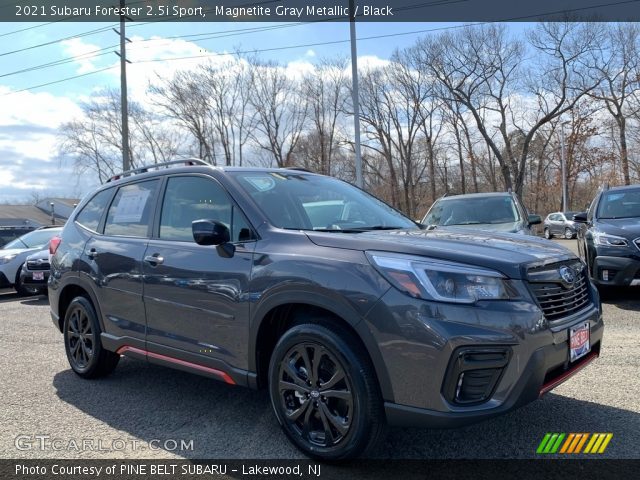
36, 239
620, 204
300, 201
473, 211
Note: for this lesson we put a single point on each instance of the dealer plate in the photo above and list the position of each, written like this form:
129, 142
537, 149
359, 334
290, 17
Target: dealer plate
38, 275
579, 341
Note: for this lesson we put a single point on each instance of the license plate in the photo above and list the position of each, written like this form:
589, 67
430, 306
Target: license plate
38, 275
579, 341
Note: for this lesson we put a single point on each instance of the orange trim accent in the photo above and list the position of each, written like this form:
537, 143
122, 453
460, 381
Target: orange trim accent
218, 373
574, 443
567, 442
547, 387
581, 444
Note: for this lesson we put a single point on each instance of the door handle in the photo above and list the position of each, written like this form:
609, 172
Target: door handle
92, 254
154, 260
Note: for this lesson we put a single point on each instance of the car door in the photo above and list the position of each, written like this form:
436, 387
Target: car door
114, 259
197, 300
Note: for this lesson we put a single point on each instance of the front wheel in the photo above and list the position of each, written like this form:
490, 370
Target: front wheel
568, 233
82, 342
324, 392
547, 234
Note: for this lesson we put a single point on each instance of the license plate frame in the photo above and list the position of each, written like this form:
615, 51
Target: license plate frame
579, 341
39, 276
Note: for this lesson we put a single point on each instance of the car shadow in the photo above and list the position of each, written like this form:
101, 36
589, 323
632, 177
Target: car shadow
626, 298
149, 402
7, 296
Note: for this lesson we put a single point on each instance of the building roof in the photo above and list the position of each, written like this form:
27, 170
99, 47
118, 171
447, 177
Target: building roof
26, 215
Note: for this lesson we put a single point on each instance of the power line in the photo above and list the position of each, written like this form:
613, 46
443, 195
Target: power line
372, 37
61, 80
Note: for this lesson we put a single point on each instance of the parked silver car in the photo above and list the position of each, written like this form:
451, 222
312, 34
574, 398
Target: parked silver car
560, 224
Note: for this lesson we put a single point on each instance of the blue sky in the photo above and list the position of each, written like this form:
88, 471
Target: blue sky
28, 120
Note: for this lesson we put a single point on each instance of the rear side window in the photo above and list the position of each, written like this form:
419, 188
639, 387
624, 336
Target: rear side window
131, 210
197, 198
90, 215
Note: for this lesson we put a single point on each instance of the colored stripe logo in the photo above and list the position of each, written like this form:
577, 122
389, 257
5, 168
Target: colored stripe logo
574, 443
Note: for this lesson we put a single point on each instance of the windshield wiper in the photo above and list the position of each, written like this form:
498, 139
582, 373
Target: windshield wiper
357, 230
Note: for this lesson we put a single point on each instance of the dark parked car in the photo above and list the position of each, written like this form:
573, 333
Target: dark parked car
348, 313
609, 238
561, 224
498, 212
35, 272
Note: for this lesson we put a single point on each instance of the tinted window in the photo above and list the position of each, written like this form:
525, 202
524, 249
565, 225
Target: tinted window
131, 210
90, 215
473, 211
620, 204
197, 198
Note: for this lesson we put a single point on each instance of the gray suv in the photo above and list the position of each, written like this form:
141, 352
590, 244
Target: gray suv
343, 308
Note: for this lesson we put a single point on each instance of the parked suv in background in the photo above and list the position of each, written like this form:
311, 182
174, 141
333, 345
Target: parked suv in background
35, 272
609, 238
348, 313
498, 212
14, 254
560, 223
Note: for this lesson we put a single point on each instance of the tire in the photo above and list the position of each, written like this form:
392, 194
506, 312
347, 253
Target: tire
22, 289
547, 234
568, 233
339, 421
82, 342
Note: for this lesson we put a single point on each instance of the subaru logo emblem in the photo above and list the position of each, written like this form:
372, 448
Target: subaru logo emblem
567, 275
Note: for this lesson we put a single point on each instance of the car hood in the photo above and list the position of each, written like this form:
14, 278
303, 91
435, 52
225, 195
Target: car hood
506, 253
42, 255
14, 251
626, 227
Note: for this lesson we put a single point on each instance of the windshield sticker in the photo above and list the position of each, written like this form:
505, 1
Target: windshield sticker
131, 206
262, 184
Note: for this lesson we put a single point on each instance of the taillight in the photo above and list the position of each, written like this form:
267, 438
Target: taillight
54, 243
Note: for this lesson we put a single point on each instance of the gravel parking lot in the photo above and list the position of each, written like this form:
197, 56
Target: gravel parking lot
143, 403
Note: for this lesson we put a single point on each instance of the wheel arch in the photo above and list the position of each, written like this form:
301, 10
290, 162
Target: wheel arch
275, 316
72, 290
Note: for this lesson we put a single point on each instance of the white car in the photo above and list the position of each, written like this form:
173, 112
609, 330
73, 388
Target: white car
14, 254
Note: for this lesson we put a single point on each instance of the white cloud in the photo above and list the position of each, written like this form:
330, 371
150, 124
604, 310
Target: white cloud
310, 53
84, 54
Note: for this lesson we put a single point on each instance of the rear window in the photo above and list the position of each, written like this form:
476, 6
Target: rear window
91, 214
131, 209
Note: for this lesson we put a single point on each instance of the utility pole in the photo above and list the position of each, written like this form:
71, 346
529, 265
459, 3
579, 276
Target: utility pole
124, 108
356, 95
563, 163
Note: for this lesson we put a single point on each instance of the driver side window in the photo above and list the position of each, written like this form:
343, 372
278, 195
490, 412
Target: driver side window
197, 198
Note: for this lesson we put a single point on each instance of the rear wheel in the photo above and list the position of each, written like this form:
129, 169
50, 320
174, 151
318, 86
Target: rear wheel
547, 234
324, 392
82, 342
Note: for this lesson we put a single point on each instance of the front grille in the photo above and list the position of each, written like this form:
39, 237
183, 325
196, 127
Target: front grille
34, 265
557, 298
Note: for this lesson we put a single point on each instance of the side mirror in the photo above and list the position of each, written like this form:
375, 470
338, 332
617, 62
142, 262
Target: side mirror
210, 232
535, 219
580, 217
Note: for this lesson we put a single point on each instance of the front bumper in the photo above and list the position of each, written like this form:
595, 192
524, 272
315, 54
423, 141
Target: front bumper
418, 340
4, 283
621, 271
26, 277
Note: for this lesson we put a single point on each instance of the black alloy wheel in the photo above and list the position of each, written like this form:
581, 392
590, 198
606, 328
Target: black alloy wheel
315, 394
324, 391
82, 343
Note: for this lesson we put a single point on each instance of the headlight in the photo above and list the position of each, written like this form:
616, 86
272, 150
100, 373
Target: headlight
7, 258
604, 240
438, 280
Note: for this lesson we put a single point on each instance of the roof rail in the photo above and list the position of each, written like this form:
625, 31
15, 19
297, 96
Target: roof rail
145, 169
299, 169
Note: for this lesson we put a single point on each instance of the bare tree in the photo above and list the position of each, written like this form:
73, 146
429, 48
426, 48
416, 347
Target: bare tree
280, 114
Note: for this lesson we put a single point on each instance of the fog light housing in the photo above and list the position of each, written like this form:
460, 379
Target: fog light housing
605, 275
473, 374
